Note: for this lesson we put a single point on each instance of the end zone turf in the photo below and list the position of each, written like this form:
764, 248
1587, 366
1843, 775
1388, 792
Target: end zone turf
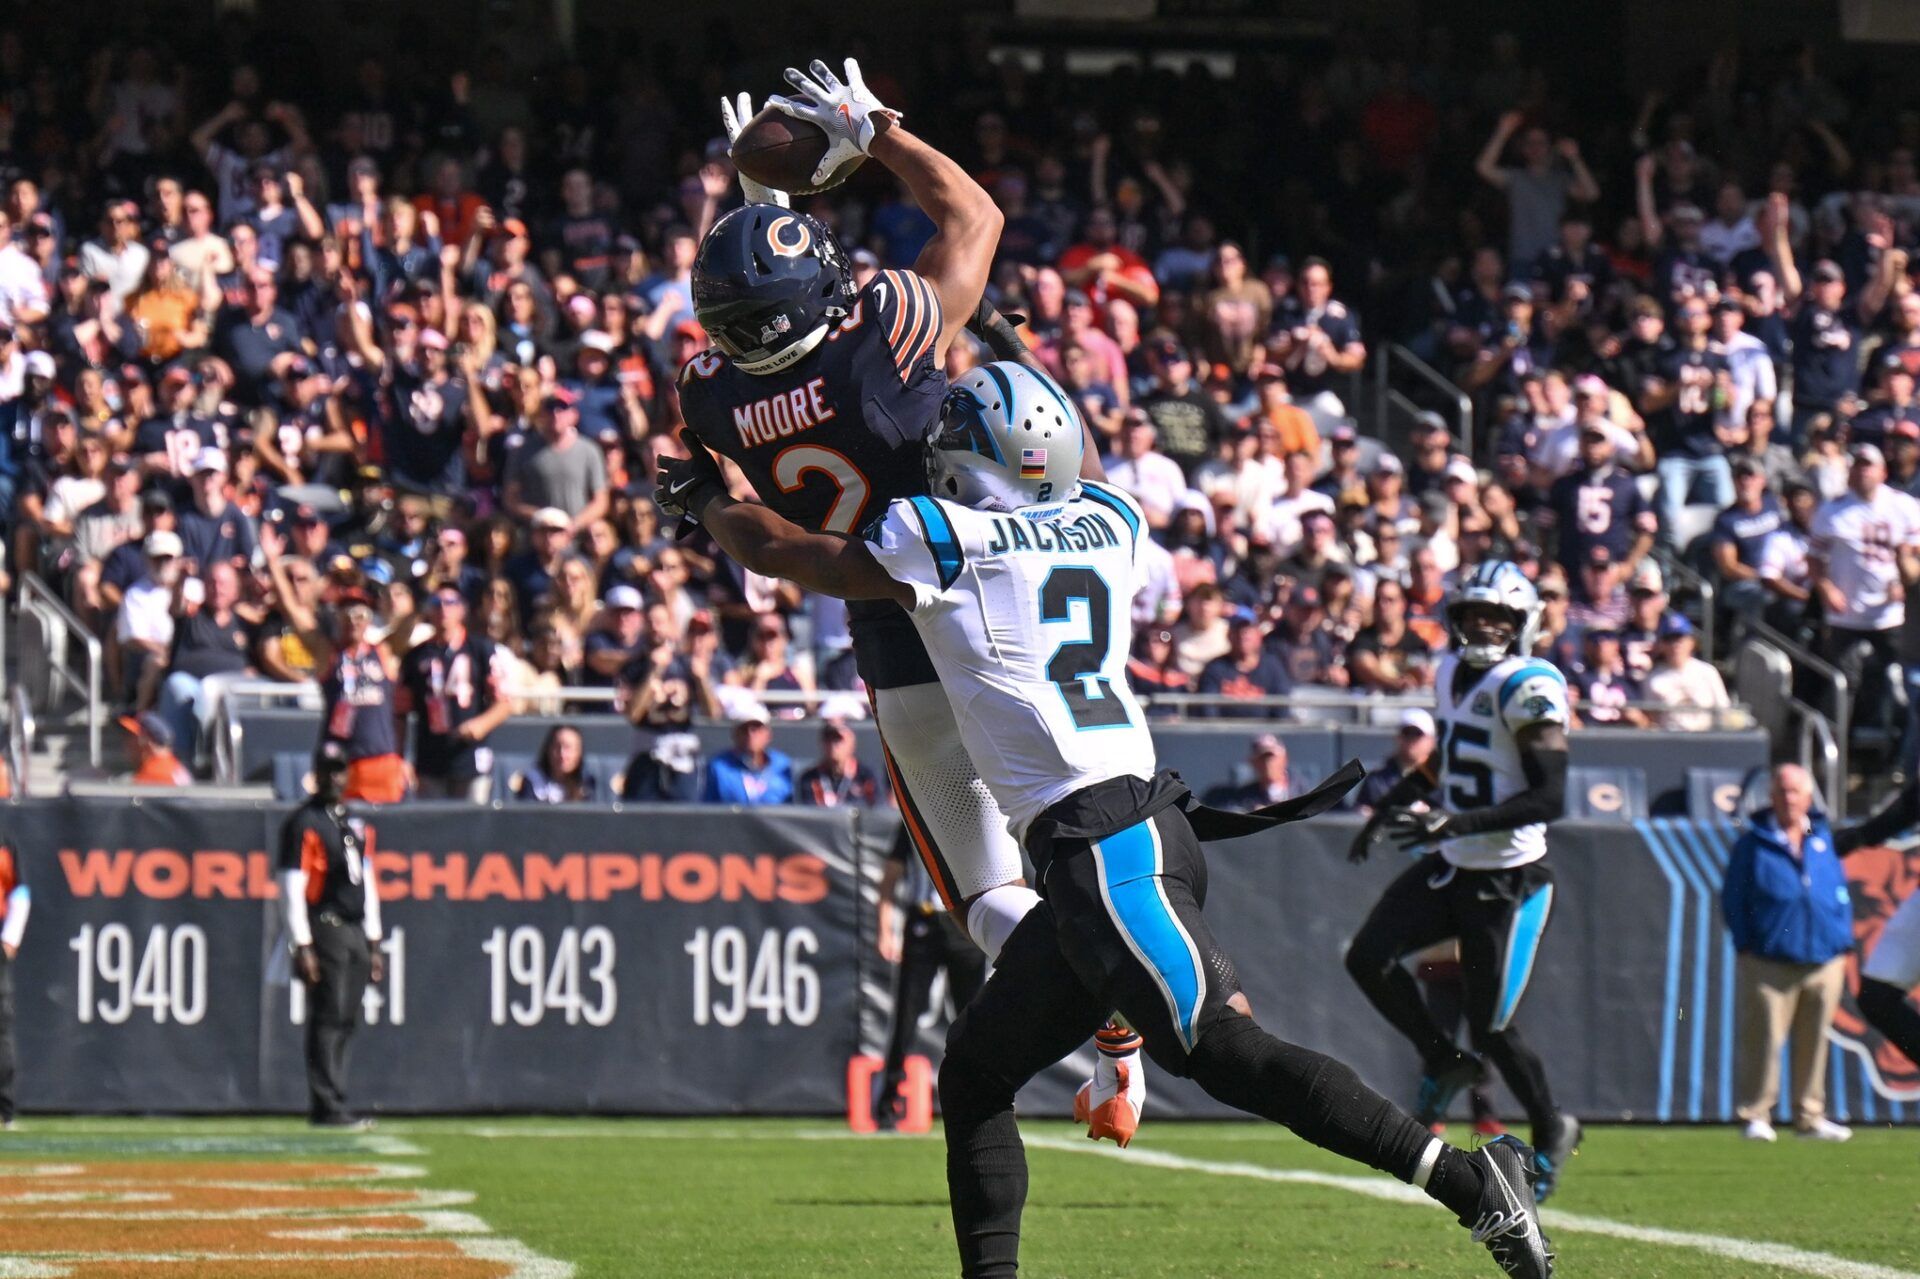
543, 1198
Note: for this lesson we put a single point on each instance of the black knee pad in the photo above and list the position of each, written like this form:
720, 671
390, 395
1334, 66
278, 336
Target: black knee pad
1880, 1001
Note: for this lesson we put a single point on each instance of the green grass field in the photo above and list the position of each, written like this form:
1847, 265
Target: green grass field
706, 1199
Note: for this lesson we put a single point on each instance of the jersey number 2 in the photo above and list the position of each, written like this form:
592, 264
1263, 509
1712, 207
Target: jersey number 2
1478, 773
790, 471
1074, 661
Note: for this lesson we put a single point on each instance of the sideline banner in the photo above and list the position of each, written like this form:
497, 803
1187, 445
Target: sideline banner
671, 960
698, 960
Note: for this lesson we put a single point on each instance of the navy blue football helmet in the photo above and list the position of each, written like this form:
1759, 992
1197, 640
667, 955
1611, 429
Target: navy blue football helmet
767, 285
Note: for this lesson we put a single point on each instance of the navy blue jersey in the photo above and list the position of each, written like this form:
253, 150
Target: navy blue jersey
829, 440
1685, 427
1593, 508
1748, 531
180, 437
1826, 356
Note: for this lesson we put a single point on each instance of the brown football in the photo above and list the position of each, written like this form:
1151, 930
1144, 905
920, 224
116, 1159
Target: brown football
776, 150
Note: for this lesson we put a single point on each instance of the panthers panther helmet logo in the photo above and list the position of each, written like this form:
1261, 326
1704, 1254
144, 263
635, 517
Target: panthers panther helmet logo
1878, 879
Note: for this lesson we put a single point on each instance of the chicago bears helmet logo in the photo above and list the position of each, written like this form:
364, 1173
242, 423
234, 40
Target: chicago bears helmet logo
789, 237
1878, 879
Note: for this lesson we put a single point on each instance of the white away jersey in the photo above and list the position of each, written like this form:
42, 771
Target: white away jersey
1026, 618
1476, 755
1859, 538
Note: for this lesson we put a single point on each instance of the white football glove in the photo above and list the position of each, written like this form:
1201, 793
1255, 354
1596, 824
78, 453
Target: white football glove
847, 113
735, 116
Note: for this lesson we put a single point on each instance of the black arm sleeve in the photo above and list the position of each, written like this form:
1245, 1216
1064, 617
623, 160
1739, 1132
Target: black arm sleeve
1544, 799
1413, 784
1901, 815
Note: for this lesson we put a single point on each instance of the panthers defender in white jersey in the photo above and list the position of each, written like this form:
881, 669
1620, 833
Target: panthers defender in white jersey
1477, 750
1020, 613
1497, 777
1018, 578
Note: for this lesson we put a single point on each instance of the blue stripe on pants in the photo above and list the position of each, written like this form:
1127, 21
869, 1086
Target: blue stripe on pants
1129, 864
1523, 944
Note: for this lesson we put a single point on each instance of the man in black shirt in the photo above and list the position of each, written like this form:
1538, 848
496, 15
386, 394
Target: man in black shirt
1190, 422
453, 684
334, 923
1687, 401
212, 647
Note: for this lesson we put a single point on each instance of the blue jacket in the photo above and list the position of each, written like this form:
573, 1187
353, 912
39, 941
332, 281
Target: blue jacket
731, 780
1776, 907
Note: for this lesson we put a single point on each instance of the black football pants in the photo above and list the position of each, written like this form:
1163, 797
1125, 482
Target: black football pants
333, 1013
930, 942
1120, 927
1499, 917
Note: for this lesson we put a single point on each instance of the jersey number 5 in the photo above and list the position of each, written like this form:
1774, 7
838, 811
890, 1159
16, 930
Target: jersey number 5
1476, 773
1074, 661
793, 465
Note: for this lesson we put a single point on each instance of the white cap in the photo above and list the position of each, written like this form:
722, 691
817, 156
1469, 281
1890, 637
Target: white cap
1647, 577
847, 706
750, 711
39, 364
623, 597
163, 542
1461, 469
1414, 717
210, 459
596, 340
551, 517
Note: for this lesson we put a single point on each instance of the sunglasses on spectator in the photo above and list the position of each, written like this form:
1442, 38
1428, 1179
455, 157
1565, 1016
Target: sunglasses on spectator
121, 219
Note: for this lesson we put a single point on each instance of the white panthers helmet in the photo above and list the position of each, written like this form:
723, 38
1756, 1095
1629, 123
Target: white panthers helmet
1007, 437
1501, 584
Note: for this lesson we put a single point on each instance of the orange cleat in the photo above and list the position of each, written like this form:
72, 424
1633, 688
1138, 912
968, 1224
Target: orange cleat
1110, 1103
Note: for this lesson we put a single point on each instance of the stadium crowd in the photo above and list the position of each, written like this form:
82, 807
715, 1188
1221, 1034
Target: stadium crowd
294, 383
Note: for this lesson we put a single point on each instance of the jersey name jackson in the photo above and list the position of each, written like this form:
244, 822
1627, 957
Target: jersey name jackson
775, 417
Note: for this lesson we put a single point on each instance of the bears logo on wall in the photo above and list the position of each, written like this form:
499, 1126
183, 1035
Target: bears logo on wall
1879, 879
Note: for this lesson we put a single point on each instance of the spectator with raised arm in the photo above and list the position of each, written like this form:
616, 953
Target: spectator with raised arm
1550, 174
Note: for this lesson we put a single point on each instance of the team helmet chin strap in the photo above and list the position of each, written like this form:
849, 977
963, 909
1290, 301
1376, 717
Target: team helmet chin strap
774, 363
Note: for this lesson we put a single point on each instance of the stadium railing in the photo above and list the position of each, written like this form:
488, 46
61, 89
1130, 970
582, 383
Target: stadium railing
20, 728
1330, 707
1769, 669
47, 668
1395, 410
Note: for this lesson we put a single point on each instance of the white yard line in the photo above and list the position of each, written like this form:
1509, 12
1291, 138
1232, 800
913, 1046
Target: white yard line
1823, 1265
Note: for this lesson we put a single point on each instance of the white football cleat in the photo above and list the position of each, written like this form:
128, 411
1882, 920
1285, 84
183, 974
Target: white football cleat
1760, 1130
1110, 1103
1824, 1129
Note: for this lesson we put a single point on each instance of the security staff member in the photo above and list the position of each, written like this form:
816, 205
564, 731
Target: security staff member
923, 942
334, 922
15, 900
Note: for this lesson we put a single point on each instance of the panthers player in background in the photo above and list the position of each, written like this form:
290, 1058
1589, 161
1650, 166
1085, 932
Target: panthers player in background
1018, 577
823, 396
1498, 775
